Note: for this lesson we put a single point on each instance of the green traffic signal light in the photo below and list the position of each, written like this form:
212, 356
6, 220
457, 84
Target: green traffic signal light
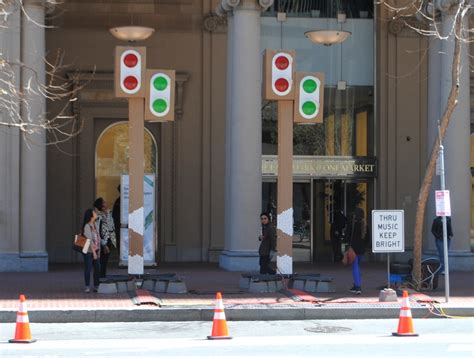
310, 85
160, 83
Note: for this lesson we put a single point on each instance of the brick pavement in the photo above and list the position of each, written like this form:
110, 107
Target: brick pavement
62, 288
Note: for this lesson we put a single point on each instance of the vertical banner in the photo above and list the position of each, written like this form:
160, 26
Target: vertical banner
149, 219
443, 203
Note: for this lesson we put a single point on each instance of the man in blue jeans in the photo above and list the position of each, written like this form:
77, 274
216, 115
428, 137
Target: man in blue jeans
437, 231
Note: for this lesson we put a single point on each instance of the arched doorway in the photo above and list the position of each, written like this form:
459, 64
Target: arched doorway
111, 163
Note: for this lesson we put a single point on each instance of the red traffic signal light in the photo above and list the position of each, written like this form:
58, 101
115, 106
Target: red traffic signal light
279, 75
130, 64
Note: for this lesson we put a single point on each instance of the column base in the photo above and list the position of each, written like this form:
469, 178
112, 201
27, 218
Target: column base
458, 260
24, 262
239, 260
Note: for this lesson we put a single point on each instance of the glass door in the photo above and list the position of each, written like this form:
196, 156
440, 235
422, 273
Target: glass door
334, 201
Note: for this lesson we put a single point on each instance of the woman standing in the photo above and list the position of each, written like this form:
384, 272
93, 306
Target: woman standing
106, 229
267, 244
356, 234
91, 258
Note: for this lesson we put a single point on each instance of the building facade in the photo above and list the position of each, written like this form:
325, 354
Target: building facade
214, 168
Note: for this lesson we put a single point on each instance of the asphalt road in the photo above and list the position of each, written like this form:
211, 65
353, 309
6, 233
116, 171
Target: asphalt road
333, 338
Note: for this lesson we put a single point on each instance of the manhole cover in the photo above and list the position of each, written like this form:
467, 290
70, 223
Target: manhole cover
327, 329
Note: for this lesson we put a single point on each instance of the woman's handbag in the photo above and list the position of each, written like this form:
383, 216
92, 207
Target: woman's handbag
349, 256
80, 243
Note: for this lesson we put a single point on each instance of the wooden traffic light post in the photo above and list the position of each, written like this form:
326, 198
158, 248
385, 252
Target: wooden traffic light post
134, 82
300, 100
279, 85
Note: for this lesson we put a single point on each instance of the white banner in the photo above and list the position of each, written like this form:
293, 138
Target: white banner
443, 203
148, 219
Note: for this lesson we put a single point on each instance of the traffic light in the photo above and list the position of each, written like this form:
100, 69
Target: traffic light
130, 65
279, 74
160, 93
309, 97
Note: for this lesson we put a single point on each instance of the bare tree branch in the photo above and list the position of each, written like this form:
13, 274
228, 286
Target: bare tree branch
426, 10
15, 100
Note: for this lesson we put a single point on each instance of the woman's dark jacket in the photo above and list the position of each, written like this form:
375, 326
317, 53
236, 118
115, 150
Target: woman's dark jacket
268, 241
356, 234
437, 227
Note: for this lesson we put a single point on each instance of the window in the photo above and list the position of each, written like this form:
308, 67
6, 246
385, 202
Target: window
112, 159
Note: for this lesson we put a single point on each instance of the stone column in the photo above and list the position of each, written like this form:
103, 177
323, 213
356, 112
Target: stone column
456, 144
9, 142
434, 114
244, 136
33, 146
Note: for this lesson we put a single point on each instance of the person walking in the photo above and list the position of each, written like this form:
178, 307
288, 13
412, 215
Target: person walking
337, 234
91, 258
267, 244
357, 230
106, 229
437, 231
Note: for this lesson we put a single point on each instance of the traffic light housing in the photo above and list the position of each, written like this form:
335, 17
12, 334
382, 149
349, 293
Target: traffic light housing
279, 74
130, 65
160, 95
309, 97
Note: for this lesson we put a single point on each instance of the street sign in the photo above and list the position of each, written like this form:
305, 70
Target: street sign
388, 233
443, 203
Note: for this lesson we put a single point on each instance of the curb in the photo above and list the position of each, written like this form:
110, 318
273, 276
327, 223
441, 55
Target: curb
232, 314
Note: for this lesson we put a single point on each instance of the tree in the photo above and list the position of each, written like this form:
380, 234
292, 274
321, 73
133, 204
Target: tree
15, 101
427, 12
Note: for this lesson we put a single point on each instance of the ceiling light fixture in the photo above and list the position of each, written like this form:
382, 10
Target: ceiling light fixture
132, 33
327, 37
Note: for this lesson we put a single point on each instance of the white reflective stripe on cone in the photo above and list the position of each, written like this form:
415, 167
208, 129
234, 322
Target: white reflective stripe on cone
22, 307
220, 305
405, 313
22, 318
405, 302
219, 315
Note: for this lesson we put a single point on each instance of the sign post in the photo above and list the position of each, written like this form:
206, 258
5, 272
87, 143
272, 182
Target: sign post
388, 235
443, 209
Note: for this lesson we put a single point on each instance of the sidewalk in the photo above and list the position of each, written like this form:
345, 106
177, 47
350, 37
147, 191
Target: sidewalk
57, 296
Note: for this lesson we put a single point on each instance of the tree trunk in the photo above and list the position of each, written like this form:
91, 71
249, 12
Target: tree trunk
428, 179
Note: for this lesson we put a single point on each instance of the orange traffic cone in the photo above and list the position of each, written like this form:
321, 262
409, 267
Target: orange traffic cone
219, 325
22, 332
405, 324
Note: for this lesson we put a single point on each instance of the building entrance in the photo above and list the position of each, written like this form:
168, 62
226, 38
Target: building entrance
321, 208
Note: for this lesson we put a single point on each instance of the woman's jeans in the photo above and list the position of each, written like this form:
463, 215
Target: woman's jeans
104, 259
356, 271
440, 247
90, 263
265, 265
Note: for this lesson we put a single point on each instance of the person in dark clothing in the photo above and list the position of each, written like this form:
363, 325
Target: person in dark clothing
437, 231
337, 233
267, 244
105, 228
356, 237
116, 217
